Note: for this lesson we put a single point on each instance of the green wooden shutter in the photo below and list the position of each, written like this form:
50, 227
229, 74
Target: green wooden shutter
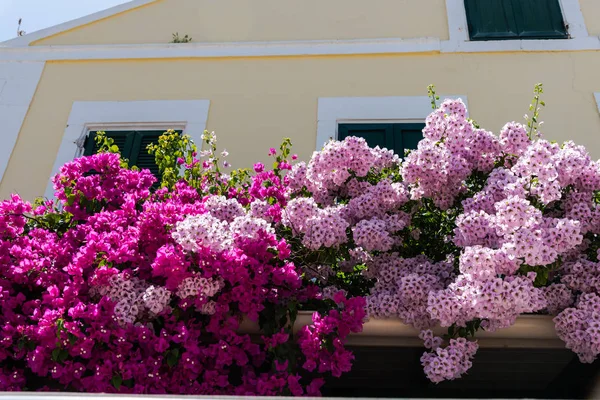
123, 140
396, 137
140, 156
375, 134
539, 19
410, 135
491, 19
133, 146
515, 19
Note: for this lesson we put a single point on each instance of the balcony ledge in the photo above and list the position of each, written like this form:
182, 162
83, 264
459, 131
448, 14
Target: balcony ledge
530, 331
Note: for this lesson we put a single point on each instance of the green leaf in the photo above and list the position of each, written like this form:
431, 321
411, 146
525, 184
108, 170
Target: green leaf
72, 338
55, 354
63, 355
116, 381
172, 357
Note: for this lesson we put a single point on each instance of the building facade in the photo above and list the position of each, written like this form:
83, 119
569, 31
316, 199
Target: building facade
257, 71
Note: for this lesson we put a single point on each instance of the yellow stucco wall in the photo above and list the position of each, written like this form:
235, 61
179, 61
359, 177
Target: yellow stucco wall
591, 11
263, 20
255, 102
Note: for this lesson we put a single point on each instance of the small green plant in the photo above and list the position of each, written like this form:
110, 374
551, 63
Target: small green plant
178, 39
432, 96
533, 122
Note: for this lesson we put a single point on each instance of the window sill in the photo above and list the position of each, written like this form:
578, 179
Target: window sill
482, 46
530, 331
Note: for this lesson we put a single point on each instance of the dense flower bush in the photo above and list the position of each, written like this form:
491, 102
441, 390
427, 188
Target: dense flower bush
125, 284
468, 232
121, 289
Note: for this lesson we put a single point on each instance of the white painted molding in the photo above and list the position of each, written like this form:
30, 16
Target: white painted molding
457, 21
289, 48
26, 40
597, 96
590, 43
86, 116
18, 83
333, 110
229, 49
573, 17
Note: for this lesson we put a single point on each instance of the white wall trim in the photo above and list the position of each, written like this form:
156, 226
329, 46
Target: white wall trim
289, 48
26, 40
189, 115
457, 21
460, 42
333, 110
573, 17
18, 83
227, 49
597, 96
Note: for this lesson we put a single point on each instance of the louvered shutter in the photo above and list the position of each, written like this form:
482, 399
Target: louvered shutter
139, 155
491, 19
396, 137
375, 134
539, 19
122, 139
515, 19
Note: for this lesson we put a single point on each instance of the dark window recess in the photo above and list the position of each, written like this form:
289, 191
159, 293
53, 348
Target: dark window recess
397, 137
133, 146
515, 19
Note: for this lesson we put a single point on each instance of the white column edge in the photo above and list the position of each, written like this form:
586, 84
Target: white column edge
20, 81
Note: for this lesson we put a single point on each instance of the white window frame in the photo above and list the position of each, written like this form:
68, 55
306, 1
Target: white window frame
579, 38
333, 111
187, 115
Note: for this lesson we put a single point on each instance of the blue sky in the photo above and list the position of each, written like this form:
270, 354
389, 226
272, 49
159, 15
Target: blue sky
40, 14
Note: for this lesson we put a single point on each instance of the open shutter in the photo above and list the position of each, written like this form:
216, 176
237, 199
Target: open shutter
122, 139
491, 19
539, 19
375, 134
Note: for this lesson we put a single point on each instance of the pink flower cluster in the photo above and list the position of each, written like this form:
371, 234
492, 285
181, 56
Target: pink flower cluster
403, 287
447, 363
579, 327
332, 328
451, 150
472, 230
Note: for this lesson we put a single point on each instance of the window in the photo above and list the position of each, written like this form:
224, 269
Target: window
133, 146
515, 19
397, 137
185, 116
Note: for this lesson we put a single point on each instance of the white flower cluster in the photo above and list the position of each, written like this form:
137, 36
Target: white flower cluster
133, 298
199, 286
203, 230
208, 308
156, 299
208, 231
224, 209
247, 227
